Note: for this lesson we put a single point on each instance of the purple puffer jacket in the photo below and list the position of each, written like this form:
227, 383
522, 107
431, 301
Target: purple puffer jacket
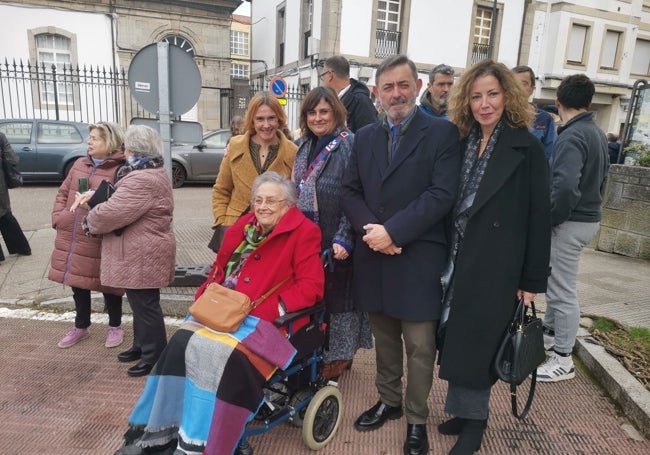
143, 256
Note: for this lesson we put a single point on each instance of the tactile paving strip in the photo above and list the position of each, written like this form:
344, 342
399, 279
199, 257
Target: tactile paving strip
77, 401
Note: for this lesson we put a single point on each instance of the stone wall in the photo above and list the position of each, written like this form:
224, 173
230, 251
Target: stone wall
625, 227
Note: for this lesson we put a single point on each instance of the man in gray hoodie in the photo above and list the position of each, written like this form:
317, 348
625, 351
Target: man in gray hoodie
578, 168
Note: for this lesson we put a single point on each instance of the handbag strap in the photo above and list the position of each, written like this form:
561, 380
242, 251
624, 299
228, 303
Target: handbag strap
529, 400
264, 296
522, 309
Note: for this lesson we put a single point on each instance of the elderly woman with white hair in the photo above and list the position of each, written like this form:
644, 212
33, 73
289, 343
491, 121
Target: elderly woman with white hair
139, 246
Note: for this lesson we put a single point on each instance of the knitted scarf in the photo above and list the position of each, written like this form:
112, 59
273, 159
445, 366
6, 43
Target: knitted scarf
139, 162
253, 238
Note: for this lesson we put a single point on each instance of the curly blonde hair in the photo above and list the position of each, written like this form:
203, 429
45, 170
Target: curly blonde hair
517, 111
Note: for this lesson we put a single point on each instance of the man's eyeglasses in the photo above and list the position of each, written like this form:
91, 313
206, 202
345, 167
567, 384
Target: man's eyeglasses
322, 75
270, 203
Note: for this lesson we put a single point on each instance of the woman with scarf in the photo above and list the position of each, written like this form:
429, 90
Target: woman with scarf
138, 244
320, 162
500, 240
76, 257
207, 384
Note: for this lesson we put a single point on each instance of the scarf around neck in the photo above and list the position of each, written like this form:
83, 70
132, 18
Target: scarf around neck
253, 237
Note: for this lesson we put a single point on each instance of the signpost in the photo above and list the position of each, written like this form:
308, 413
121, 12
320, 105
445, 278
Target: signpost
166, 81
278, 87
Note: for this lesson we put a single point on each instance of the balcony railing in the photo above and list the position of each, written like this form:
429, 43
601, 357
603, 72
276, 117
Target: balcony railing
386, 43
480, 52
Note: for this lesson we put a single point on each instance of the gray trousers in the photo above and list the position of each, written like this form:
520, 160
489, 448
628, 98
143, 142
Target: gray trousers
419, 342
562, 309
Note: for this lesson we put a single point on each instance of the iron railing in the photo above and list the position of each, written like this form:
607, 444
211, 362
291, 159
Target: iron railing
294, 96
64, 92
386, 43
480, 52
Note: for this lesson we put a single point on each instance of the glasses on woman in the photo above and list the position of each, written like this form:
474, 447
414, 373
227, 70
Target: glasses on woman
270, 203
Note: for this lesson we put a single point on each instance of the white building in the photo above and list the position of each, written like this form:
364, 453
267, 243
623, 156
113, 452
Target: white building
608, 40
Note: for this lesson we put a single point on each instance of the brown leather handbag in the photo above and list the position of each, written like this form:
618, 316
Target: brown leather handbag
224, 309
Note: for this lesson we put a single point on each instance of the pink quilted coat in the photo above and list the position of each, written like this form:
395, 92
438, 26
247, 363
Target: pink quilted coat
76, 257
143, 256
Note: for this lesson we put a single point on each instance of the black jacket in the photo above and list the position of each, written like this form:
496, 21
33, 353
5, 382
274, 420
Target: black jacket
506, 247
361, 111
410, 197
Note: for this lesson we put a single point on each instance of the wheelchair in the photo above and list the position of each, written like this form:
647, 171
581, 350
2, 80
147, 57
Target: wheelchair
299, 394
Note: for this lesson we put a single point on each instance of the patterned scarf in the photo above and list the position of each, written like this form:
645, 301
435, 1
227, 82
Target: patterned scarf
472, 172
307, 200
253, 238
139, 162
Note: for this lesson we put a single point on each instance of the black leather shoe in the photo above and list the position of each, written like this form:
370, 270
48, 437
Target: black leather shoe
416, 442
470, 438
376, 416
140, 369
129, 356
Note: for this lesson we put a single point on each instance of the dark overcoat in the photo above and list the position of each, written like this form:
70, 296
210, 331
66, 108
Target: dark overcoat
410, 197
506, 247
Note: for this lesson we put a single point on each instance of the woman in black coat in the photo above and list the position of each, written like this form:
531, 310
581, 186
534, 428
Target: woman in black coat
500, 240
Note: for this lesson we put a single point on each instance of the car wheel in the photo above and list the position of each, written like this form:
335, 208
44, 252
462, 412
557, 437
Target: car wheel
178, 175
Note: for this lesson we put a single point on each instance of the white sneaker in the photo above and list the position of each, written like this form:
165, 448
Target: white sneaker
556, 368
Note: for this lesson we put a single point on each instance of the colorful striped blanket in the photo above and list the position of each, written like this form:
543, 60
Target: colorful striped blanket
207, 385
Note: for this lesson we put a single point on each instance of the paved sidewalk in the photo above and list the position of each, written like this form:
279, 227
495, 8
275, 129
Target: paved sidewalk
77, 400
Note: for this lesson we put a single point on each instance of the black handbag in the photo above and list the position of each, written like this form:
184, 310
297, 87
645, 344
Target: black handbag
13, 177
103, 192
520, 353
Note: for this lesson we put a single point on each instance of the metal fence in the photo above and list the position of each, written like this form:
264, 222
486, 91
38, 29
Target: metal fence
92, 94
64, 92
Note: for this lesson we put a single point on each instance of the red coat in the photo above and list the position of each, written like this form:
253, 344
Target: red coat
292, 249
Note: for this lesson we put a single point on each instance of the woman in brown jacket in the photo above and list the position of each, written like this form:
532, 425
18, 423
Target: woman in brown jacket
76, 258
262, 148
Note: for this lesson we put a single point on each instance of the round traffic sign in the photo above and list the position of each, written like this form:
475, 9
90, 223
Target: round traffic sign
184, 79
278, 87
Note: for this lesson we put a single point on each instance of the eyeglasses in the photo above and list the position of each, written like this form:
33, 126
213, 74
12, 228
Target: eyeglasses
322, 75
270, 203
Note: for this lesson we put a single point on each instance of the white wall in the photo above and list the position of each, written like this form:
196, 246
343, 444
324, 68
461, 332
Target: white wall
356, 26
93, 32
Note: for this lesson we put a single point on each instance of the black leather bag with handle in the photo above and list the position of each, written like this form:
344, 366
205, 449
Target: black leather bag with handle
520, 353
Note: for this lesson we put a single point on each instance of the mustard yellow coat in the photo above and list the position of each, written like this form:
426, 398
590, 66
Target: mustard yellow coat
231, 193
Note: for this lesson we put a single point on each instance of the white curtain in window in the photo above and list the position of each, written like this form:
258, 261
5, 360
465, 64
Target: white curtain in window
576, 43
641, 59
610, 46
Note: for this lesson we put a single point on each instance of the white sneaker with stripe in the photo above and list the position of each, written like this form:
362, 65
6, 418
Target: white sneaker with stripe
556, 368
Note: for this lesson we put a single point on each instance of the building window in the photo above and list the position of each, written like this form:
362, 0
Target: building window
280, 35
388, 28
238, 43
610, 56
641, 58
577, 44
307, 25
482, 31
239, 71
181, 42
55, 51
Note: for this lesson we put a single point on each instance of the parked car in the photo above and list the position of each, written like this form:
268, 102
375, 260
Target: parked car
199, 163
46, 148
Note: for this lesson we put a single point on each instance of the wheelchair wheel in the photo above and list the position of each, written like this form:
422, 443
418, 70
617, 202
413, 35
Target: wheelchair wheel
298, 397
322, 417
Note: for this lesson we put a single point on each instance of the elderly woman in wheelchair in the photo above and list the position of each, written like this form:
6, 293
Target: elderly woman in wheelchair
208, 385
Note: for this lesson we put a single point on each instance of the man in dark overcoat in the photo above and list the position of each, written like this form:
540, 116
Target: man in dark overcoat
400, 184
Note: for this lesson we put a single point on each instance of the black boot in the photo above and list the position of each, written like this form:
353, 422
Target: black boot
453, 426
470, 438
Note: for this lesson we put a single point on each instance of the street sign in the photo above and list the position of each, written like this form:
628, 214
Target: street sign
282, 101
184, 80
181, 132
278, 87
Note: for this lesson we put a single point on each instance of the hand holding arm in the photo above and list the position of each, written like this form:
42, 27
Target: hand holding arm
81, 200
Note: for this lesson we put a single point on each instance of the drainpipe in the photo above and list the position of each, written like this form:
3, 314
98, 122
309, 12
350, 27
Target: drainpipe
493, 27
